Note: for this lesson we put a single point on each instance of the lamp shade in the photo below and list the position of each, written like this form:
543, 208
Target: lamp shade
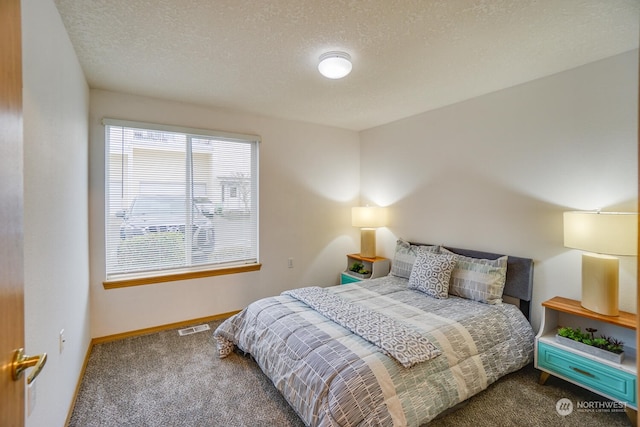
612, 233
368, 217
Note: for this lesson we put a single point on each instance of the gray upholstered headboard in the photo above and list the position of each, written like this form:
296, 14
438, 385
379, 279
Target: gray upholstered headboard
519, 282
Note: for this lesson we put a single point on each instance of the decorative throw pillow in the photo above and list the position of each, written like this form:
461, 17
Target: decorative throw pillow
431, 273
478, 279
405, 256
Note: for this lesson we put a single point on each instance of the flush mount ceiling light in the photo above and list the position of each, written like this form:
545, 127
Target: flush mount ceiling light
335, 65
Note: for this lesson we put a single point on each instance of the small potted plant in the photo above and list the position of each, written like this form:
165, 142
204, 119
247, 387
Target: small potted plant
358, 270
604, 347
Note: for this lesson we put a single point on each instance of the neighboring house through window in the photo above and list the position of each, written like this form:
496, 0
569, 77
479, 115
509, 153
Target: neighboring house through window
178, 200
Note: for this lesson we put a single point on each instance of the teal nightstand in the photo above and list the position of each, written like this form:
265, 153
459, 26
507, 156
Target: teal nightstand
616, 381
347, 278
377, 267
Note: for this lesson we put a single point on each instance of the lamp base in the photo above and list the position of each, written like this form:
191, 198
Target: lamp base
368, 242
600, 284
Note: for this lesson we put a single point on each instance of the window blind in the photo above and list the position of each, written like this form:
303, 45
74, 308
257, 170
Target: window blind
178, 199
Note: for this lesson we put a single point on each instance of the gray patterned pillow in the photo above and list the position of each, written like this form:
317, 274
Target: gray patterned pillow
431, 273
478, 279
405, 256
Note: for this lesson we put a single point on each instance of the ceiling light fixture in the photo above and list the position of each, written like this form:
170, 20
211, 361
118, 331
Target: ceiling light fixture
335, 65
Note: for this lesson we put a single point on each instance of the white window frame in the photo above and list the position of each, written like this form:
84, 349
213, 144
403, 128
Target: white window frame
156, 276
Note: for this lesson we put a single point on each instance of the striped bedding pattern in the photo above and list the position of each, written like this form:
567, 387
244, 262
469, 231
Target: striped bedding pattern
332, 377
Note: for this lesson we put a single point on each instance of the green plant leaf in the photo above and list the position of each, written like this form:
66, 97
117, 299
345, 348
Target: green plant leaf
588, 338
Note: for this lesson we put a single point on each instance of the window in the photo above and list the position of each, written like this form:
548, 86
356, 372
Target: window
166, 209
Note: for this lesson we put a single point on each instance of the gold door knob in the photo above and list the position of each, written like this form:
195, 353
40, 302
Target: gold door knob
22, 362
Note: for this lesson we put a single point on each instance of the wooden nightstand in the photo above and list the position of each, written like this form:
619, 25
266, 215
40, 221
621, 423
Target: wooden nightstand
377, 267
616, 381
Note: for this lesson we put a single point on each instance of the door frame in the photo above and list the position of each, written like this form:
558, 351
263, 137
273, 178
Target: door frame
12, 395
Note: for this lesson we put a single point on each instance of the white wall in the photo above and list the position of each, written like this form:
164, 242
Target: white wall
496, 172
56, 109
309, 179
492, 173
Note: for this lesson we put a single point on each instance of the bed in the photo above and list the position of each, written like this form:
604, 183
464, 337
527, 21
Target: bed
397, 350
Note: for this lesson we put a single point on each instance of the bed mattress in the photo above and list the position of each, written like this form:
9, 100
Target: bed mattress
332, 376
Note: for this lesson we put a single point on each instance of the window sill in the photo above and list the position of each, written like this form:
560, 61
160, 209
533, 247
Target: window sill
138, 281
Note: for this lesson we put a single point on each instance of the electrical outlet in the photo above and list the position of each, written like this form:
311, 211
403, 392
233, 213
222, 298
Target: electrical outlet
61, 340
290, 263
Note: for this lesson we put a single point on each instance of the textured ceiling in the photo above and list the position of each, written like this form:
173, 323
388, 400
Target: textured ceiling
409, 56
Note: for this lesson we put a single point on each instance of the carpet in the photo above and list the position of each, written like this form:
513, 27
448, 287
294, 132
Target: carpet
163, 379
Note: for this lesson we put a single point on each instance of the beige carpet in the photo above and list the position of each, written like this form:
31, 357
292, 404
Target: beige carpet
166, 380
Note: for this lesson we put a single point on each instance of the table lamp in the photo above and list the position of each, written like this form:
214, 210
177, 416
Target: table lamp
601, 234
368, 218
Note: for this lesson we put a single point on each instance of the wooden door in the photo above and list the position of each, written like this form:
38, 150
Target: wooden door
11, 201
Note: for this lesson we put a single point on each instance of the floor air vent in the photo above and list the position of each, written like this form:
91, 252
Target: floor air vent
193, 330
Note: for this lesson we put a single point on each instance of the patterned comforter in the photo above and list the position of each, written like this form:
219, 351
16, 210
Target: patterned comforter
333, 377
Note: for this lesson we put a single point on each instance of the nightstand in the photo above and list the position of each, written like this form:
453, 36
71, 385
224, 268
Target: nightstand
616, 381
377, 267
